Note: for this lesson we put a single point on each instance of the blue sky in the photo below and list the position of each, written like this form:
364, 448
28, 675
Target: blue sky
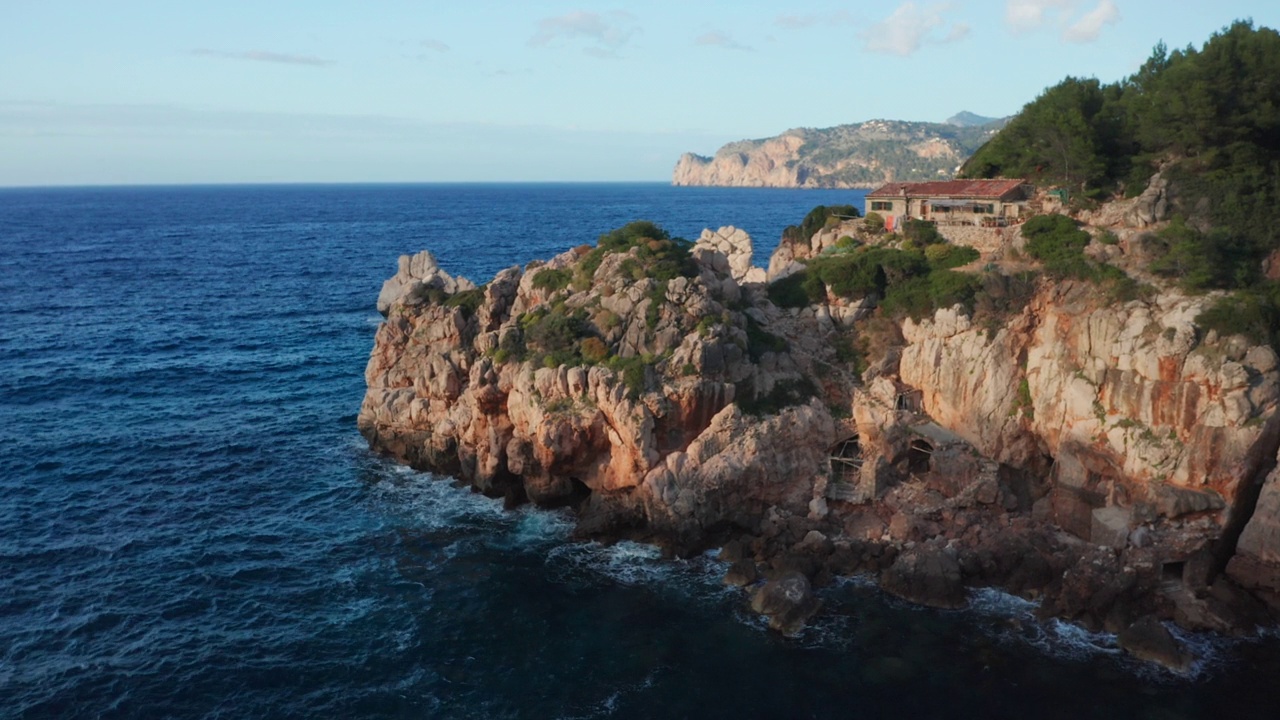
150, 91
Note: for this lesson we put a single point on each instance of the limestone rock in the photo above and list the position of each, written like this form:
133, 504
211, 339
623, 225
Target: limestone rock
1256, 564
852, 155
741, 573
928, 575
788, 602
416, 275
734, 246
1149, 640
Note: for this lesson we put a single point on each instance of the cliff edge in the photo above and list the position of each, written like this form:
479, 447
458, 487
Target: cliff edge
865, 154
1111, 458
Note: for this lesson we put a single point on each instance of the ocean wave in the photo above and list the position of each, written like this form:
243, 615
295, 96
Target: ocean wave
634, 564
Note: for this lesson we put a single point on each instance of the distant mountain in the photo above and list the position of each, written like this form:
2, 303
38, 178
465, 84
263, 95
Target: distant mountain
846, 156
964, 118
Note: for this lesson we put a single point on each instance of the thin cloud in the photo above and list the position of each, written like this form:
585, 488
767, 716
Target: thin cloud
1087, 28
604, 34
263, 56
719, 39
1028, 15
910, 27
1025, 16
958, 31
435, 45
802, 22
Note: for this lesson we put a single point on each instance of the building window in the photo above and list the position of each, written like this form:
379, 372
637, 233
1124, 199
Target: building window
881, 205
987, 208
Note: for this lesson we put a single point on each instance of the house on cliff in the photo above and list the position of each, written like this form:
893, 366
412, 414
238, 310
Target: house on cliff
973, 203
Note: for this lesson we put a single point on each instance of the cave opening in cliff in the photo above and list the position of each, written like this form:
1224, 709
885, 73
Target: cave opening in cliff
580, 492
920, 456
846, 459
1171, 572
910, 401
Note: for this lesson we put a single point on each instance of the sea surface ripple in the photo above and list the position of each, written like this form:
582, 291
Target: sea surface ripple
192, 526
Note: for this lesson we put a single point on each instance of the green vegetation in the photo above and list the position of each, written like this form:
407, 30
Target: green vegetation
791, 291
1254, 313
552, 280
633, 372
874, 222
1209, 118
468, 300
784, 394
657, 296
1059, 243
551, 336
819, 218
761, 341
907, 282
658, 255
1023, 402
922, 232
1201, 261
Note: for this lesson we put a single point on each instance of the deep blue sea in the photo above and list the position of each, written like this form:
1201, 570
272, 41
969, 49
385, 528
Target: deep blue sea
190, 525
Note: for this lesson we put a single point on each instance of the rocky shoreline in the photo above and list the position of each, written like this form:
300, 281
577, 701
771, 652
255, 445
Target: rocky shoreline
1110, 460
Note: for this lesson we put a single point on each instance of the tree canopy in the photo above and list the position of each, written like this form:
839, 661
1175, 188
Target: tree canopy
1210, 118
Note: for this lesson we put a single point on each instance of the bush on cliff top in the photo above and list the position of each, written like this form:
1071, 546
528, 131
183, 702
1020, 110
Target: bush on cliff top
1254, 313
551, 280
659, 255
908, 282
818, 218
1208, 118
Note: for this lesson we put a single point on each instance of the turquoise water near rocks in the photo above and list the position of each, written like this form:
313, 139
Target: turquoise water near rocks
192, 526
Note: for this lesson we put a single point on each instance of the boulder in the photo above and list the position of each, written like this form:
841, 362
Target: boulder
1148, 640
927, 575
787, 601
741, 573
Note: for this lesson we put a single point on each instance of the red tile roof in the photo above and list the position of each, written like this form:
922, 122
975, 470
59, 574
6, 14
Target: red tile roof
950, 189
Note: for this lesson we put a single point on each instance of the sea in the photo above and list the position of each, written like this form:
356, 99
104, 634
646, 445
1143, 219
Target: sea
191, 527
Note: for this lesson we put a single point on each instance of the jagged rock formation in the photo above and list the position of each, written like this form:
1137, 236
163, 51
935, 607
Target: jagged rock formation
1103, 457
846, 156
418, 280
646, 433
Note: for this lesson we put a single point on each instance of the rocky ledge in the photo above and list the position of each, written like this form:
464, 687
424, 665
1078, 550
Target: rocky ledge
1112, 460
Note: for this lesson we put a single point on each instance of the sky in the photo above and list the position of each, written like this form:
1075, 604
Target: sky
155, 92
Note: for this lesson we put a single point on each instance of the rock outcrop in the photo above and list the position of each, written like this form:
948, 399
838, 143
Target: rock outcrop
416, 280
606, 379
865, 154
1102, 457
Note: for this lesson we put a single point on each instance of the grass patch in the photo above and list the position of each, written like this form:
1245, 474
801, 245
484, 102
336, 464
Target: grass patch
784, 394
552, 280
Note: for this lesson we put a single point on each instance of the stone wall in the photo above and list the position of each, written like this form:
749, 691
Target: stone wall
987, 241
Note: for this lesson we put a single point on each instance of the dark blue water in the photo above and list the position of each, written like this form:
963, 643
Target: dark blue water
190, 525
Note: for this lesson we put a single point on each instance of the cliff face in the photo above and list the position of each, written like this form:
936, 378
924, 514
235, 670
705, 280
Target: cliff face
660, 393
859, 155
642, 432
1146, 420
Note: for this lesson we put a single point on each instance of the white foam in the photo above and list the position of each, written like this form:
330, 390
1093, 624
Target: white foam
609, 705
432, 503
637, 564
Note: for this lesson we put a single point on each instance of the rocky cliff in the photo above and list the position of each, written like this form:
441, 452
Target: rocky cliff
858, 155
1105, 457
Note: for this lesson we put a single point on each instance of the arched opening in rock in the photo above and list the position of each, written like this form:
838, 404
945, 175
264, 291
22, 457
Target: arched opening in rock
580, 492
920, 456
1171, 572
909, 401
846, 460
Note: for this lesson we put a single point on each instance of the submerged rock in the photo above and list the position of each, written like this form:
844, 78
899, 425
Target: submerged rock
927, 575
787, 601
1149, 640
